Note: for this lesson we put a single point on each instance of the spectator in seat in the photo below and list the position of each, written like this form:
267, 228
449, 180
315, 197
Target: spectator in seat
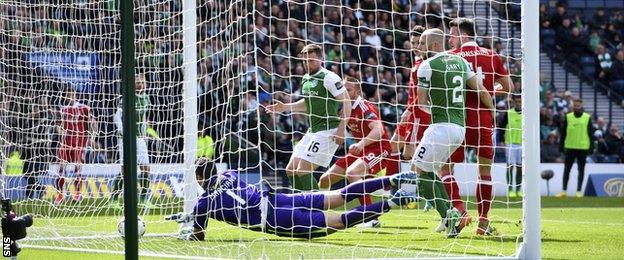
550, 152
575, 45
617, 72
617, 19
594, 40
559, 16
615, 141
547, 128
562, 33
611, 34
600, 20
544, 14
601, 127
546, 87
607, 148
604, 61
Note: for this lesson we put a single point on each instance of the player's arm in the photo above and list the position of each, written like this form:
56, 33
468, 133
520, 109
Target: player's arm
280, 107
484, 95
372, 137
93, 127
335, 86
424, 81
423, 100
405, 116
504, 84
474, 83
344, 117
117, 119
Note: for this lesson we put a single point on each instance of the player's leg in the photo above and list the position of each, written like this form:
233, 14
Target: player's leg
358, 170
434, 150
319, 152
299, 152
510, 186
305, 171
291, 168
143, 162
365, 213
338, 198
570, 155
519, 181
60, 179
510, 167
77, 159
518, 161
118, 180
336, 173
393, 161
449, 182
581, 159
481, 138
425, 161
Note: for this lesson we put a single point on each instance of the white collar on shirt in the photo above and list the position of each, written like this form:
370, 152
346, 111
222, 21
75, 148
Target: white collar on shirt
358, 101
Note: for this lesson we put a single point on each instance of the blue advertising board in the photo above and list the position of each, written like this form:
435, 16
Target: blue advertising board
97, 182
80, 69
605, 185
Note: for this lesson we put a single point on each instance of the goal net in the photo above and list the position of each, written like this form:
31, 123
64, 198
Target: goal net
60, 105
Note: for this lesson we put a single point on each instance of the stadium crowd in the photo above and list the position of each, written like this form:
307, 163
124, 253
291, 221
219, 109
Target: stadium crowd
365, 39
593, 39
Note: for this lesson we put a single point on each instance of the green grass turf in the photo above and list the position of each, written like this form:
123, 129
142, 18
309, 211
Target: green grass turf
572, 228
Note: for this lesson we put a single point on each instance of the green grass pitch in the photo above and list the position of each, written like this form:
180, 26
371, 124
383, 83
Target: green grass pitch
573, 228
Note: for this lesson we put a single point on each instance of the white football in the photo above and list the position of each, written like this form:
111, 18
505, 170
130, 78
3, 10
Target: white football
121, 227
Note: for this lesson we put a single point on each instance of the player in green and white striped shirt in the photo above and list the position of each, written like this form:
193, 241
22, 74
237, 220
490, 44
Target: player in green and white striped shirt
323, 93
141, 104
442, 80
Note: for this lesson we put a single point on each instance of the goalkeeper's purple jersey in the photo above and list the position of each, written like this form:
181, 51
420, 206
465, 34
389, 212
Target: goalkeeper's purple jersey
232, 200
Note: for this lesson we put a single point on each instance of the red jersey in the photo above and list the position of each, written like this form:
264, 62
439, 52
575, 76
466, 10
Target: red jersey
486, 64
362, 114
75, 124
412, 91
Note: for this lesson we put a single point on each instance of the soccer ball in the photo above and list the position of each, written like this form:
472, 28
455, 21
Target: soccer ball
121, 227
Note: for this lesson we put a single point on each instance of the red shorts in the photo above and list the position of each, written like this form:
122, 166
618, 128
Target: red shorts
417, 122
72, 150
373, 156
479, 133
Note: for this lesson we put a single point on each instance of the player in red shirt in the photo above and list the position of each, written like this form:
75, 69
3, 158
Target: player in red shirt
366, 157
479, 120
76, 122
414, 121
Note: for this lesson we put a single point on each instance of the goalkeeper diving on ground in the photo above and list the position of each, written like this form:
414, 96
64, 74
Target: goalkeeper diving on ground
301, 215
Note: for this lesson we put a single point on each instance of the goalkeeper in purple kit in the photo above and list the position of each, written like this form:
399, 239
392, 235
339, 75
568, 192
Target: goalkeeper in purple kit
302, 215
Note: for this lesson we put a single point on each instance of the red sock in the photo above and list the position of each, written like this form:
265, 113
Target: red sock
365, 200
60, 182
452, 189
484, 196
393, 164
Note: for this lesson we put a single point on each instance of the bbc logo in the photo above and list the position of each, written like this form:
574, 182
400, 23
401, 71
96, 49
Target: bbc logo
6, 246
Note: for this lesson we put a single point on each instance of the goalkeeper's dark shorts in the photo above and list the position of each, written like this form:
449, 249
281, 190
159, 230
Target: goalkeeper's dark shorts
298, 215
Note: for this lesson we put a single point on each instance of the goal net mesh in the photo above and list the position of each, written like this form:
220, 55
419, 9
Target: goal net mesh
247, 58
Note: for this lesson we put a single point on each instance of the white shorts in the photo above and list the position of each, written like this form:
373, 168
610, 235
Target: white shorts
142, 156
514, 154
318, 148
436, 146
